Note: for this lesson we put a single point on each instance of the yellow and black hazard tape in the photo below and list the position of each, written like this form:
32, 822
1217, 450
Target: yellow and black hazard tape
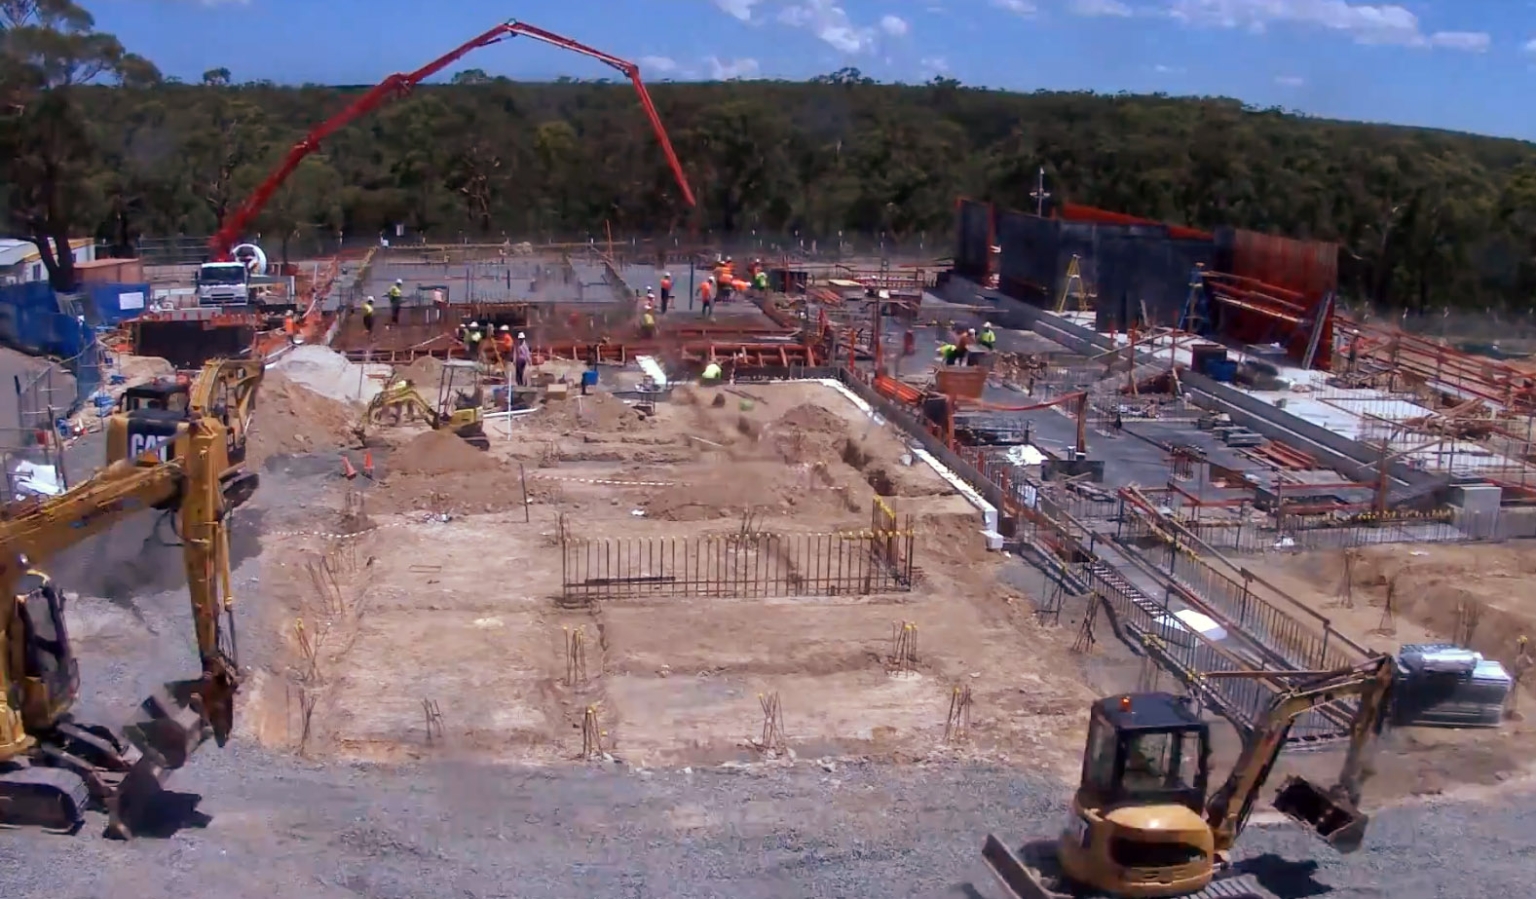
738, 537
351, 535
607, 481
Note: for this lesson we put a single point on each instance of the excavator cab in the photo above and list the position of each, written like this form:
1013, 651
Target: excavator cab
52, 674
147, 419
1146, 749
162, 395
1136, 828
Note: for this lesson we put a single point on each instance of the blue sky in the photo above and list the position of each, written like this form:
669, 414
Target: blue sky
1462, 64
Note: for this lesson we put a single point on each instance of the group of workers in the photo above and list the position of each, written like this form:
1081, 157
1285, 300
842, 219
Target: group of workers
498, 344
968, 346
396, 297
719, 286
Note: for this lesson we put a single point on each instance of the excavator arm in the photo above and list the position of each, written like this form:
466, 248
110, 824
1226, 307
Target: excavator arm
1332, 813
200, 487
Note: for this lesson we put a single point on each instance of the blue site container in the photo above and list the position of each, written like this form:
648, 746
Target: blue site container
1223, 370
589, 378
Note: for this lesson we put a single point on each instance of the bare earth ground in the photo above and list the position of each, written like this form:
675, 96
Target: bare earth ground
1436, 584
463, 614
461, 611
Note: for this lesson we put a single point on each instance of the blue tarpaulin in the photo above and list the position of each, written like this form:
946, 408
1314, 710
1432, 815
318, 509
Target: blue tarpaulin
112, 304
33, 320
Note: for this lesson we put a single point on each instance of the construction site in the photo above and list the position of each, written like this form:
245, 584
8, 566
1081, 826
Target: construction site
873, 553
640, 507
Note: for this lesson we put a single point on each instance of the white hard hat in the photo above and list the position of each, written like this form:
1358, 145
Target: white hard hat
368, 299
987, 325
669, 274
474, 324
521, 336
506, 327
399, 280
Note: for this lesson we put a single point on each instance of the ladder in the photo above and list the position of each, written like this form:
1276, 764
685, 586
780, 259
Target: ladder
1193, 315
1075, 286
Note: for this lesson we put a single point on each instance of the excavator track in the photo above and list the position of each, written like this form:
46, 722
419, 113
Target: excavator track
1032, 873
52, 799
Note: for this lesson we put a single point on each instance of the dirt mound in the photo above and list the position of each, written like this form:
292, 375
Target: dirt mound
766, 488
1447, 590
426, 373
291, 418
455, 493
437, 471
810, 433
440, 453
594, 412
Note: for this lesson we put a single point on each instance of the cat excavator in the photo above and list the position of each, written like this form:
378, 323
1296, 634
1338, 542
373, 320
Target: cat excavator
155, 417
400, 401
53, 766
1141, 825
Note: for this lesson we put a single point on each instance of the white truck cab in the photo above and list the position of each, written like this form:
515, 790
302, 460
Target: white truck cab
223, 284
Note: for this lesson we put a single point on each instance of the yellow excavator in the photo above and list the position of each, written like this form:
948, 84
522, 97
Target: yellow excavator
401, 402
155, 417
54, 767
1141, 824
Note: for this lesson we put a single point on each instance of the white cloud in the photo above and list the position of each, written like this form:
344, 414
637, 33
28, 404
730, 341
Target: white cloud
1289, 80
935, 65
829, 21
1471, 41
741, 9
1366, 24
1529, 46
727, 69
1168, 70
1100, 8
659, 64
895, 26
1017, 7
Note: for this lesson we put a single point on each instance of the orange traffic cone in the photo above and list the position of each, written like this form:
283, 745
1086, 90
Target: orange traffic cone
346, 467
368, 463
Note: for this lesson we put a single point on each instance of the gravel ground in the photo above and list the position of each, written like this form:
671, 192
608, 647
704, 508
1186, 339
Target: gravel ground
280, 826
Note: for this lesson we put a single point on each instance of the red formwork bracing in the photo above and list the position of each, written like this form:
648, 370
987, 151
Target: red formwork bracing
1275, 290
1074, 212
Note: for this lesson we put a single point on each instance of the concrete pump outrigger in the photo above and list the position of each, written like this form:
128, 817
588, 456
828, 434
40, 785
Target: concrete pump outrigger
52, 766
1141, 825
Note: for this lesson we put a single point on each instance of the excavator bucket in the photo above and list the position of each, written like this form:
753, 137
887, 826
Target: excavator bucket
1332, 817
1012, 872
167, 728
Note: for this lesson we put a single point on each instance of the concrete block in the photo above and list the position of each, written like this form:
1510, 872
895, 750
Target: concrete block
1477, 508
557, 391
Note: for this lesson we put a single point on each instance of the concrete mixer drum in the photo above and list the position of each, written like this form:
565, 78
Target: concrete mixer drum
252, 257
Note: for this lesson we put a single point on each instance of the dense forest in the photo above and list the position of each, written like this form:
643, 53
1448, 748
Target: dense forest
95, 141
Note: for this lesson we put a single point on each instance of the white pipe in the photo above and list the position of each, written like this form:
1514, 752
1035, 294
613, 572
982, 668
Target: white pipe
653, 370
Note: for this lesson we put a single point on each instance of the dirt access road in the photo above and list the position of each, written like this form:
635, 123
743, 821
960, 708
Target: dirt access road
284, 828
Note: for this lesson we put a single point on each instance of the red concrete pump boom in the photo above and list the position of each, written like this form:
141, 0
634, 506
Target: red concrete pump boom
398, 84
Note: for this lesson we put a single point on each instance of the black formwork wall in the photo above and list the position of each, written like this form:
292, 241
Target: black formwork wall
973, 228
1026, 266
1125, 267
1143, 275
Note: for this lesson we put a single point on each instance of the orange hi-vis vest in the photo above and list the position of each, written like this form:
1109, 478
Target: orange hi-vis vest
666, 284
